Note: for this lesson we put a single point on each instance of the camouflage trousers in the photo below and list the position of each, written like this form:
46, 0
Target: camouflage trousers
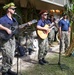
43, 48
51, 36
8, 50
65, 40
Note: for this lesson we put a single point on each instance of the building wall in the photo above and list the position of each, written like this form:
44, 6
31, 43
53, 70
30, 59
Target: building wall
63, 2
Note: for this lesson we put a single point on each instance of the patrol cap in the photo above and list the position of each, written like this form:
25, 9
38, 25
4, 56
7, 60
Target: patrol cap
9, 5
43, 11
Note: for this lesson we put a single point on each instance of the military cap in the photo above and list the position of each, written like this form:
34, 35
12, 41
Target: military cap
43, 11
9, 5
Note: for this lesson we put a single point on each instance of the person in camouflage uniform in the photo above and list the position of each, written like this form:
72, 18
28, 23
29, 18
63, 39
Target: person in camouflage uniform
43, 43
7, 46
64, 32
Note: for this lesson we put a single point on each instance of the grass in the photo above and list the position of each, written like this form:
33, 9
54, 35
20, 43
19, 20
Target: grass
66, 63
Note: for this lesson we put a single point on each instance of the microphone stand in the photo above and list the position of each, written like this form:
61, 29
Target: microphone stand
18, 42
59, 61
62, 66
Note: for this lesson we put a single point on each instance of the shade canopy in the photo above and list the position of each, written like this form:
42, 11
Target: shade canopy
40, 5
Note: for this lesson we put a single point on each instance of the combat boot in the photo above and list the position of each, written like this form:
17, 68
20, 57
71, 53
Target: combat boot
44, 61
41, 62
11, 72
5, 73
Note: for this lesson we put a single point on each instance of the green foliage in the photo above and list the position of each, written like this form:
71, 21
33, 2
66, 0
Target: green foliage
69, 9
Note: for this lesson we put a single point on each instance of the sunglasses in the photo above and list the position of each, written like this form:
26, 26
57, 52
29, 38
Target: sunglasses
45, 14
12, 8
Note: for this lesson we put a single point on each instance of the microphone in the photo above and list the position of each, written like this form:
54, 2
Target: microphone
17, 15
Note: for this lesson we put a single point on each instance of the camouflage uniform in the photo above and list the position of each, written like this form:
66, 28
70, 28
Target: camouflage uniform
43, 48
64, 28
8, 50
43, 43
7, 46
65, 40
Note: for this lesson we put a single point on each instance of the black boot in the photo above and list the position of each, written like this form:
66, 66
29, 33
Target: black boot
41, 62
11, 72
44, 61
5, 73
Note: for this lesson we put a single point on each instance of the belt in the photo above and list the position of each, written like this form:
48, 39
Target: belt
64, 30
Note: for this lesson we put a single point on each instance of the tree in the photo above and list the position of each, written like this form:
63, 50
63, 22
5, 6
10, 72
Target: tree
69, 10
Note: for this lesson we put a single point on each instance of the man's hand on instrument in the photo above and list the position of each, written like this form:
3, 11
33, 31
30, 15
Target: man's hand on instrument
46, 30
8, 31
29, 23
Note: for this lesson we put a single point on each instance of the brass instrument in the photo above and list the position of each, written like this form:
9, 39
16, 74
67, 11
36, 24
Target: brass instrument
57, 37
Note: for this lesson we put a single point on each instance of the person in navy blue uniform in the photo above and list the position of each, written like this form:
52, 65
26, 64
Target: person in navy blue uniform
43, 43
64, 32
8, 46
